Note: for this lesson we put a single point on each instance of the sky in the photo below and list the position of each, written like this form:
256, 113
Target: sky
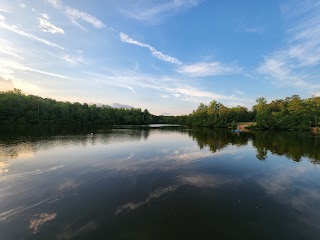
167, 56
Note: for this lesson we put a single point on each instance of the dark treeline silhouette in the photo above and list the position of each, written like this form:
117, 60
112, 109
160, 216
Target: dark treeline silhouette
19, 108
291, 113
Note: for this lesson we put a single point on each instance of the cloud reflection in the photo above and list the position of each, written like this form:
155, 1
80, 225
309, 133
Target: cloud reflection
12, 212
40, 219
153, 195
285, 185
196, 180
207, 180
4, 167
77, 231
20, 175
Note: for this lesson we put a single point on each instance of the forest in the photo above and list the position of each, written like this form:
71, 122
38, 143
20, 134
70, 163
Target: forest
19, 108
291, 113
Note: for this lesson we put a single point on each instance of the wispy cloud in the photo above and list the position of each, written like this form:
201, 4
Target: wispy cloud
75, 14
290, 65
5, 85
6, 73
8, 49
131, 89
47, 26
258, 30
4, 25
151, 11
119, 105
125, 38
55, 3
189, 93
3, 10
16, 65
279, 68
21, 5
74, 59
203, 69
171, 87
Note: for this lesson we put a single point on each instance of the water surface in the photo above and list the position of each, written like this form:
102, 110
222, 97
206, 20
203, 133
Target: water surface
159, 183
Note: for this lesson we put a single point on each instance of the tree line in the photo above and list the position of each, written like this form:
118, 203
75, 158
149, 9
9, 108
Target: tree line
290, 113
217, 115
19, 108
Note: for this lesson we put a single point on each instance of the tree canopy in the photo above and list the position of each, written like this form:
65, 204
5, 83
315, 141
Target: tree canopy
290, 113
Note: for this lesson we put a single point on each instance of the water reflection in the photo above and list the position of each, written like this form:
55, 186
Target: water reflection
40, 219
157, 193
130, 183
294, 145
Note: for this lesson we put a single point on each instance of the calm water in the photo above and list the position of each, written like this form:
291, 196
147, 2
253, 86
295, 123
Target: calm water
159, 183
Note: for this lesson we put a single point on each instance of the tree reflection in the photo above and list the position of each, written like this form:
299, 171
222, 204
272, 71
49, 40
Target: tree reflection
293, 145
217, 139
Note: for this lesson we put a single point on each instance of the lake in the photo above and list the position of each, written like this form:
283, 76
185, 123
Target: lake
158, 183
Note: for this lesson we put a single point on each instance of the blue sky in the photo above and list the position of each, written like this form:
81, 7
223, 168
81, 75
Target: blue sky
166, 56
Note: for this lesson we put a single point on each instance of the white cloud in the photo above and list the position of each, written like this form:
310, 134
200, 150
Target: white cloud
239, 92
149, 11
55, 3
27, 87
3, 10
8, 65
131, 89
280, 70
47, 26
5, 85
125, 38
119, 105
74, 59
8, 49
46, 16
21, 5
28, 35
168, 86
76, 14
203, 69
193, 94
6, 73
291, 64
